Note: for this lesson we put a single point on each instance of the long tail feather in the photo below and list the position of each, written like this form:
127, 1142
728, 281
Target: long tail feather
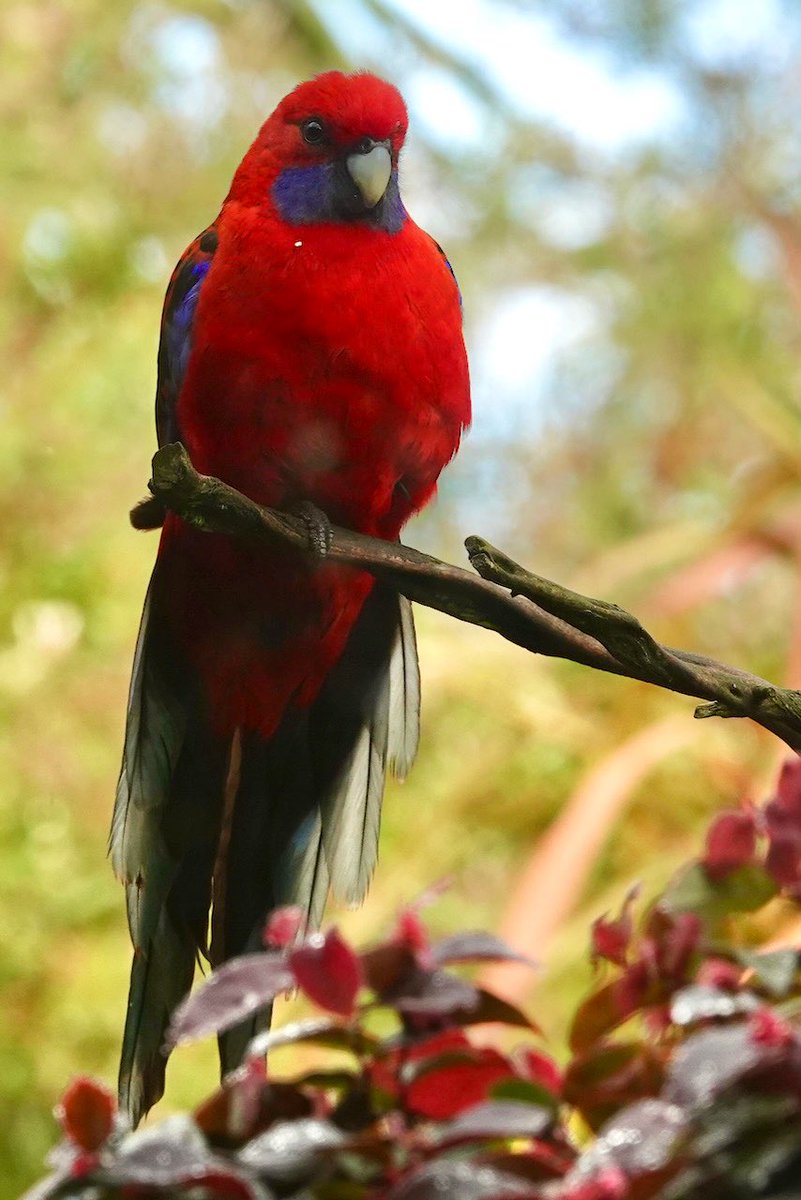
163, 842
308, 809
276, 821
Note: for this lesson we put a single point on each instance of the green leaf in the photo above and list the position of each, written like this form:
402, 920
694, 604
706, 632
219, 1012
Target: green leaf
776, 970
525, 1091
744, 890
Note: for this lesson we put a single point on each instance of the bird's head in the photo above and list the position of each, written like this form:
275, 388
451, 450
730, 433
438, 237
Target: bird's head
332, 146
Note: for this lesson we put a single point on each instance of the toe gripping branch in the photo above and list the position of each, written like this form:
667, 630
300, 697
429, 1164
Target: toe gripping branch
319, 530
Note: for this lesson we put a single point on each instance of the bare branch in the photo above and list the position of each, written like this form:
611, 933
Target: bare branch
535, 613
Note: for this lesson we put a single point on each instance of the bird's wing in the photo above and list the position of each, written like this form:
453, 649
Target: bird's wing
177, 320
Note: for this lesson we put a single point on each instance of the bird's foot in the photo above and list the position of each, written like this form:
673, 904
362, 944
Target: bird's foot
319, 533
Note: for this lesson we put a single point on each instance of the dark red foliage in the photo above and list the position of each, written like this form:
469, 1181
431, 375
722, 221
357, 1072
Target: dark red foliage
611, 938
730, 842
611, 1075
328, 971
441, 1075
283, 926
412, 935
609, 1184
683, 1065
538, 1068
719, 973
87, 1113
670, 943
788, 788
767, 1028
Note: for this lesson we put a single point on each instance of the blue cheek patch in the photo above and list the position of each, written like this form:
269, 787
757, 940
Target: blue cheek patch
309, 195
304, 195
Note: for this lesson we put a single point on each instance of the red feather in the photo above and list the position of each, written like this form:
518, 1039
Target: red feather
326, 364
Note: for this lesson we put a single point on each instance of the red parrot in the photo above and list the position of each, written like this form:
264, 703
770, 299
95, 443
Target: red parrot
311, 353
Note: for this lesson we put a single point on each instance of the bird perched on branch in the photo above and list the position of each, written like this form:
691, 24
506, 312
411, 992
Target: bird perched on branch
311, 353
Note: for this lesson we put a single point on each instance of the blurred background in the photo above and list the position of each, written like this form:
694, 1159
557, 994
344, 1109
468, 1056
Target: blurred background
617, 185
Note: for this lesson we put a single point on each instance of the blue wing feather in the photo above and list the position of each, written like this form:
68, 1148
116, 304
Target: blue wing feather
177, 321
453, 273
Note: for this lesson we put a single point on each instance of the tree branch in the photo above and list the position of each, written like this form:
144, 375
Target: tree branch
526, 609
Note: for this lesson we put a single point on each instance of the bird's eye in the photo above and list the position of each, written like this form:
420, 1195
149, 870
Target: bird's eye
314, 131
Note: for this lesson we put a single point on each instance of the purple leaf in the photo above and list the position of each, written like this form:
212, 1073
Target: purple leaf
328, 971
496, 1119
491, 1008
699, 1002
641, 1137
320, 1030
467, 1180
709, 1062
234, 991
474, 947
171, 1155
386, 965
432, 994
291, 1152
58, 1183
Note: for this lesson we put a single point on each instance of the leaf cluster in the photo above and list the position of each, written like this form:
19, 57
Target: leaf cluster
683, 1081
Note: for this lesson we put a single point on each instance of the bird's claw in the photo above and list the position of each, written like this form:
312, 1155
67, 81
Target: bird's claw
319, 533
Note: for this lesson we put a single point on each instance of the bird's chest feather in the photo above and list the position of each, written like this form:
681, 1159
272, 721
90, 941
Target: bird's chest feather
327, 364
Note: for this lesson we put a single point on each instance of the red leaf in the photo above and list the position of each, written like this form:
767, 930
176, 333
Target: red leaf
247, 1103
613, 1004
783, 820
608, 1184
610, 939
412, 934
719, 973
767, 1028
440, 1076
783, 860
446, 1091
283, 926
328, 971
385, 965
538, 1068
730, 842
788, 789
86, 1113
675, 937
611, 1075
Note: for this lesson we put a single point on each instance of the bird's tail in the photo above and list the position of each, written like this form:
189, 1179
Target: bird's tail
258, 822
163, 842
308, 804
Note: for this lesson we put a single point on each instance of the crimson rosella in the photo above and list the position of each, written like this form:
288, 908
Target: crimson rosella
311, 353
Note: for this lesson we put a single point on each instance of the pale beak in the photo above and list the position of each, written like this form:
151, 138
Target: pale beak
370, 172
